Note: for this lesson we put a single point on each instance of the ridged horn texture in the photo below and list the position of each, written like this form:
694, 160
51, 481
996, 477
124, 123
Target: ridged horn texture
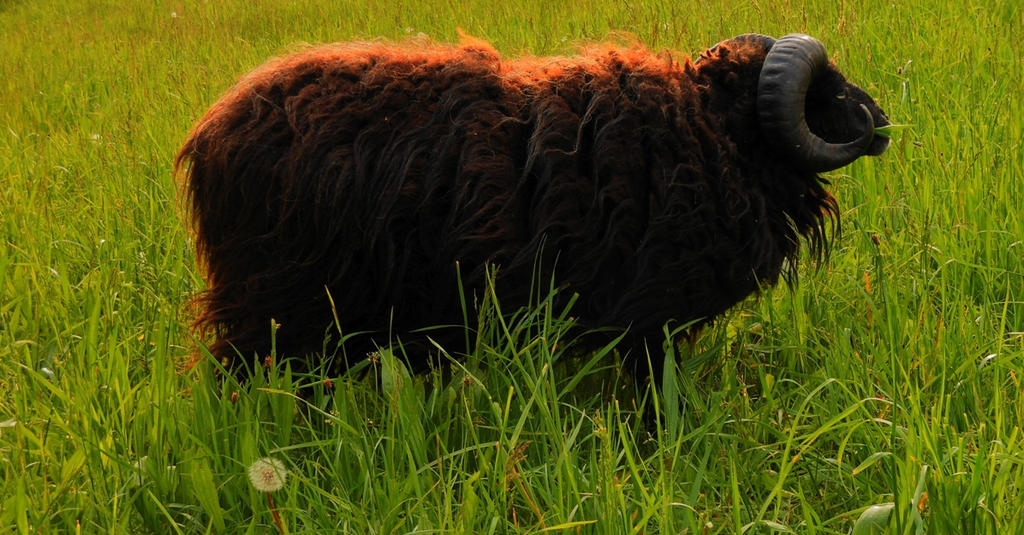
789, 69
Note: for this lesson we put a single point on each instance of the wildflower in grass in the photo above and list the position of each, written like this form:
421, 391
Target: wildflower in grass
267, 475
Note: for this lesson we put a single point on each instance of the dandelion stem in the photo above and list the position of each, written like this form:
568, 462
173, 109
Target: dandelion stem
273, 511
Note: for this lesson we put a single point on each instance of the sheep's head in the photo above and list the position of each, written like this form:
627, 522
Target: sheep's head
810, 112
834, 110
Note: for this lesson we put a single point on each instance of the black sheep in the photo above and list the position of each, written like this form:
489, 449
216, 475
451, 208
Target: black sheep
655, 189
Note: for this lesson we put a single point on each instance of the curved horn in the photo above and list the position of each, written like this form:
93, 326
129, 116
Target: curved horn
789, 68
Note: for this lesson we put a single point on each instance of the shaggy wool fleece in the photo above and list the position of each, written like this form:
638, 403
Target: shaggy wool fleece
375, 175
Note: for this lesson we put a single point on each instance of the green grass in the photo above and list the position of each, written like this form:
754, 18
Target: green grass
893, 374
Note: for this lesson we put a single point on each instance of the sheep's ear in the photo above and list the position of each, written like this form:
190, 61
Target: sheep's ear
740, 40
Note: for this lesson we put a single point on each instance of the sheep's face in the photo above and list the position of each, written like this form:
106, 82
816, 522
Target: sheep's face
834, 113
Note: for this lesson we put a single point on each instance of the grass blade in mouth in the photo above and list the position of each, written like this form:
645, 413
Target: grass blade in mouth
889, 129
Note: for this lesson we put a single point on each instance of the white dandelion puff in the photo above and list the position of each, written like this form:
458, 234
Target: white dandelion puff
268, 474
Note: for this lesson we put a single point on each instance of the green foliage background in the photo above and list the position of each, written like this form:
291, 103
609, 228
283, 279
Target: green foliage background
893, 374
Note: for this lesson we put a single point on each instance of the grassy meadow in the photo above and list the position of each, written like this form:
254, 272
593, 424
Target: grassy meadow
891, 375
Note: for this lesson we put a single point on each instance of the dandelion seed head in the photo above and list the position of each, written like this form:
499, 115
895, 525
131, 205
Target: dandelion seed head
268, 474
